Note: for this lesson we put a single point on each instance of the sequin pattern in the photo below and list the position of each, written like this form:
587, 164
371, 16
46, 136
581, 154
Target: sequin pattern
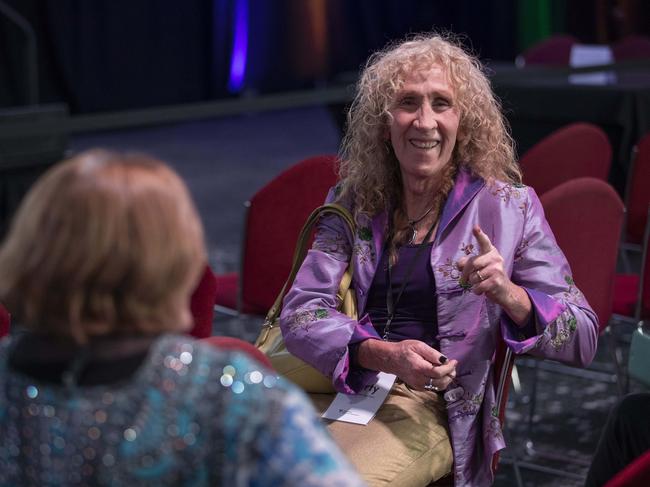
191, 415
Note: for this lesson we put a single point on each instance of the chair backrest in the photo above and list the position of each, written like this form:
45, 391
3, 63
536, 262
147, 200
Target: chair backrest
642, 311
586, 216
638, 191
553, 51
574, 151
232, 343
632, 47
5, 321
275, 216
636, 474
202, 304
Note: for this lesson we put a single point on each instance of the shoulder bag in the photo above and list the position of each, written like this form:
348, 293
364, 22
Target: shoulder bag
270, 340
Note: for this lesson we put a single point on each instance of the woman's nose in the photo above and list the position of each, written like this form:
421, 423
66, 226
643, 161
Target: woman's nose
426, 118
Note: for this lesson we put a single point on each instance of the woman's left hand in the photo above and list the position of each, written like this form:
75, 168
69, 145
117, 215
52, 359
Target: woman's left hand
486, 275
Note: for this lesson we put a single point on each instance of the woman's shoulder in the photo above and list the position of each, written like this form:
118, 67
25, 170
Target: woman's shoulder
507, 194
338, 195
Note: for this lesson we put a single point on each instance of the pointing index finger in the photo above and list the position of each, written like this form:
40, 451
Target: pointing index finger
484, 243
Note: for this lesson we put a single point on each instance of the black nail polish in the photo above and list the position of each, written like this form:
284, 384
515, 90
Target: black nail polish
442, 359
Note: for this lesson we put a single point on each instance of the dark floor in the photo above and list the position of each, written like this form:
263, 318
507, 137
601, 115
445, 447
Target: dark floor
225, 161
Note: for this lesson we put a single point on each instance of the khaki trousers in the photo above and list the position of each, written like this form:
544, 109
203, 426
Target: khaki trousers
406, 444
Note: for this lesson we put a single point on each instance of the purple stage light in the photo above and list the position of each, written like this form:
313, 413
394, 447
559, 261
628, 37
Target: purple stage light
239, 48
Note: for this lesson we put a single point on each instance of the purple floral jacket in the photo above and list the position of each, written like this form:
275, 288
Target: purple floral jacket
563, 326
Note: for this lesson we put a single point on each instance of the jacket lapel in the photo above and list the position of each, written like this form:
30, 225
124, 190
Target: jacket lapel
465, 188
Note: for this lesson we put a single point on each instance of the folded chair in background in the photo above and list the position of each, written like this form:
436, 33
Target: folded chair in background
632, 290
5, 320
573, 151
638, 192
637, 196
275, 214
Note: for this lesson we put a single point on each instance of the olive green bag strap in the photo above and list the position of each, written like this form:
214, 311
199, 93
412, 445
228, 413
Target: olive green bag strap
299, 256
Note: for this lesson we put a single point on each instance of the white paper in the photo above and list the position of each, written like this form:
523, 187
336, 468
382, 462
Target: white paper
361, 408
591, 55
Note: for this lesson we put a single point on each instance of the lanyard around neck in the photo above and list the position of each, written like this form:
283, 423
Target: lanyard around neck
390, 304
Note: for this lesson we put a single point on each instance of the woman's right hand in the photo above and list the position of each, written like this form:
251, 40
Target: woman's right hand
414, 362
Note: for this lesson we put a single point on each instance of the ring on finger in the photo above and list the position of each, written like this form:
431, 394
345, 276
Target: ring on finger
478, 274
430, 387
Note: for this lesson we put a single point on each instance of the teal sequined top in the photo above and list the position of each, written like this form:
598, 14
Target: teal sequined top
190, 415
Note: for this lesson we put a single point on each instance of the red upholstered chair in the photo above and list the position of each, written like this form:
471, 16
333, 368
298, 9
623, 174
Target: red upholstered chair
632, 291
636, 474
231, 343
626, 288
632, 47
202, 304
574, 151
274, 218
552, 51
5, 321
586, 216
638, 191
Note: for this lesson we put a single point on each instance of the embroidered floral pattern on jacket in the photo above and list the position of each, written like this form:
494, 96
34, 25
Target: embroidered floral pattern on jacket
469, 405
506, 192
304, 318
523, 208
573, 294
364, 252
558, 333
335, 245
467, 249
365, 234
519, 253
494, 426
449, 269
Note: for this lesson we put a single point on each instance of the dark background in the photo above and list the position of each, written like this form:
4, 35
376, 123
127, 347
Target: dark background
106, 55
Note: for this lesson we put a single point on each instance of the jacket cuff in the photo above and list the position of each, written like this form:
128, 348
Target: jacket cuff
352, 376
545, 310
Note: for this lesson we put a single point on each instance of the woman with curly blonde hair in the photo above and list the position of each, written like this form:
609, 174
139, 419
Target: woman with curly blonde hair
452, 254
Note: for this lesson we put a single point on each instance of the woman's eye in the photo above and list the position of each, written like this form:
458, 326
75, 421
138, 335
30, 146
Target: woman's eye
440, 103
408, 101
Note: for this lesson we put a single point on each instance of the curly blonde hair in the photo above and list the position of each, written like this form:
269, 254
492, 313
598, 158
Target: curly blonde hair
369, 170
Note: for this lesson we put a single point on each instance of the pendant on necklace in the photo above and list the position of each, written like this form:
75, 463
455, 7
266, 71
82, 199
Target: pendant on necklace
414, 236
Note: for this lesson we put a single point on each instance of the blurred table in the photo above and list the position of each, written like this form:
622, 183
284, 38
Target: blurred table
539, 100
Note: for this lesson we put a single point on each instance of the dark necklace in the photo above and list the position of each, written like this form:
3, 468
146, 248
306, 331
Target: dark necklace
415, 221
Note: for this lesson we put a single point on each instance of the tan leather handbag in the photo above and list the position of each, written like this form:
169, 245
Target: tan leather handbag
270, 340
